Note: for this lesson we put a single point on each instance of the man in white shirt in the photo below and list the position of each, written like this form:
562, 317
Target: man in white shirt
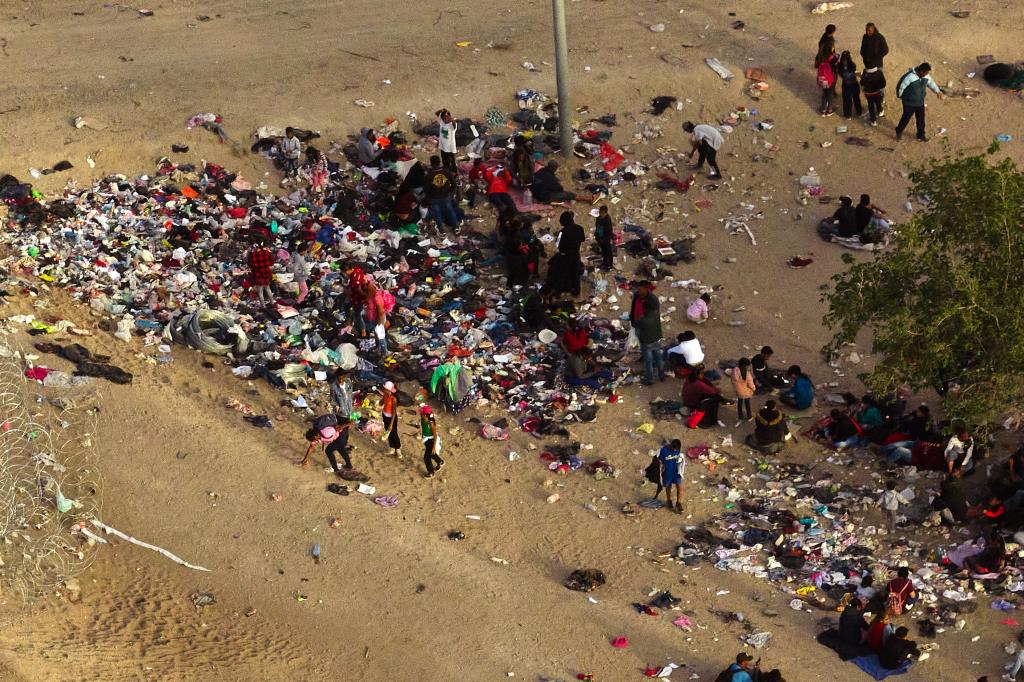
446, 139
290, 149
705, 140
686, 353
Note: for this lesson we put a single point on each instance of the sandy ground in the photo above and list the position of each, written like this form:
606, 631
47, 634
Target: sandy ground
394, 598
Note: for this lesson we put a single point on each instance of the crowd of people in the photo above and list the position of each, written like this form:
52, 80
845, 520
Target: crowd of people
835, 68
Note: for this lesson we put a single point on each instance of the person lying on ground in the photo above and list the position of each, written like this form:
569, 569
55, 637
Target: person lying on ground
546, 188
801, 395
990, 561
898, 650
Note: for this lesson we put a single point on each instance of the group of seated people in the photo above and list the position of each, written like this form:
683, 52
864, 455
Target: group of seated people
880, 636
865, 222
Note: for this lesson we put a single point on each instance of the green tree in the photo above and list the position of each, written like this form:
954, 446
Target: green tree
945, 304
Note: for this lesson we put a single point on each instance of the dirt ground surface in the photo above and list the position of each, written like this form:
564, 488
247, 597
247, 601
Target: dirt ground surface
393, 598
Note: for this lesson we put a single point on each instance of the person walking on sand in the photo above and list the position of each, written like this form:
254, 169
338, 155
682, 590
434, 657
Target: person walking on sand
672, 468
331, 432
431, 441
873, 47
705, 141
389, 412
911, 89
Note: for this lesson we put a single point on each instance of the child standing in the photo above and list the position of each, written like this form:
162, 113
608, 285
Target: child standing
672, 467
890, 502
431, 441
873, 83
604, 235
851, 89
389, 411
743, 384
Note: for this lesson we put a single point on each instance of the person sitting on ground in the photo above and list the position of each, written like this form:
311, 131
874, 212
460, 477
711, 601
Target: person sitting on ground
765, 378
843, 431
900, 593
546, 188
951, 501
879, 631
959, 451
576, 336
685, 355
870, 415
367, 150
801, 395
871, 223
744, 669
852, 626
770, 429
698, 311
844, 221
898, 650
580, 370
702, 399
990, 561
994, 510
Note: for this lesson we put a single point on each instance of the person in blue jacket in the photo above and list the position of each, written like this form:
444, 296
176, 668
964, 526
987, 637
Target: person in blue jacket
801, 395
743, 667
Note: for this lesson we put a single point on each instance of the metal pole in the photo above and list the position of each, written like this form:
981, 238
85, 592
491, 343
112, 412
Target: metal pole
562, 77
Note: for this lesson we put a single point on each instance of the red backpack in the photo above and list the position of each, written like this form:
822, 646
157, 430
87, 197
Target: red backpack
826, 77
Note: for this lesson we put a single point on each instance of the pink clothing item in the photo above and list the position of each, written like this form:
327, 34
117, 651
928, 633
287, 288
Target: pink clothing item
744, 386
697, 310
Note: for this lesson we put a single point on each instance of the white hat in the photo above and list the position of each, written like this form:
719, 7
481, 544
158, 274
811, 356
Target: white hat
389, 386
547, 336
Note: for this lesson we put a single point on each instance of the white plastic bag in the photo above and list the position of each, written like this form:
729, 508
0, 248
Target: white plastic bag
633, 342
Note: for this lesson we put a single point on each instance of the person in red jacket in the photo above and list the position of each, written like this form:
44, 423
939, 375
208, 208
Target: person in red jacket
498, 180
702, 398
261, 259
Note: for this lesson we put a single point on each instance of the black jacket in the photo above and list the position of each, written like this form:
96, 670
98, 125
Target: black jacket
896, 651
571, 239
545, 185
873, 50
872, 81
769, 427
852, 624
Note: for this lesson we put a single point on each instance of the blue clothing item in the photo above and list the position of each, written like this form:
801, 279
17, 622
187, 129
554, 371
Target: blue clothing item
445, 212
670, 459
911, 88
654, 361
802, 392
739, 674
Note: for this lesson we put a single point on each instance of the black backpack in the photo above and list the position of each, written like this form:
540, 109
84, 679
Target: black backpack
725, 675
323, 421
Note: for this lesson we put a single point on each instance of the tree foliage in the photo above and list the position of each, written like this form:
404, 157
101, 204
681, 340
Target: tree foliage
945, 304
